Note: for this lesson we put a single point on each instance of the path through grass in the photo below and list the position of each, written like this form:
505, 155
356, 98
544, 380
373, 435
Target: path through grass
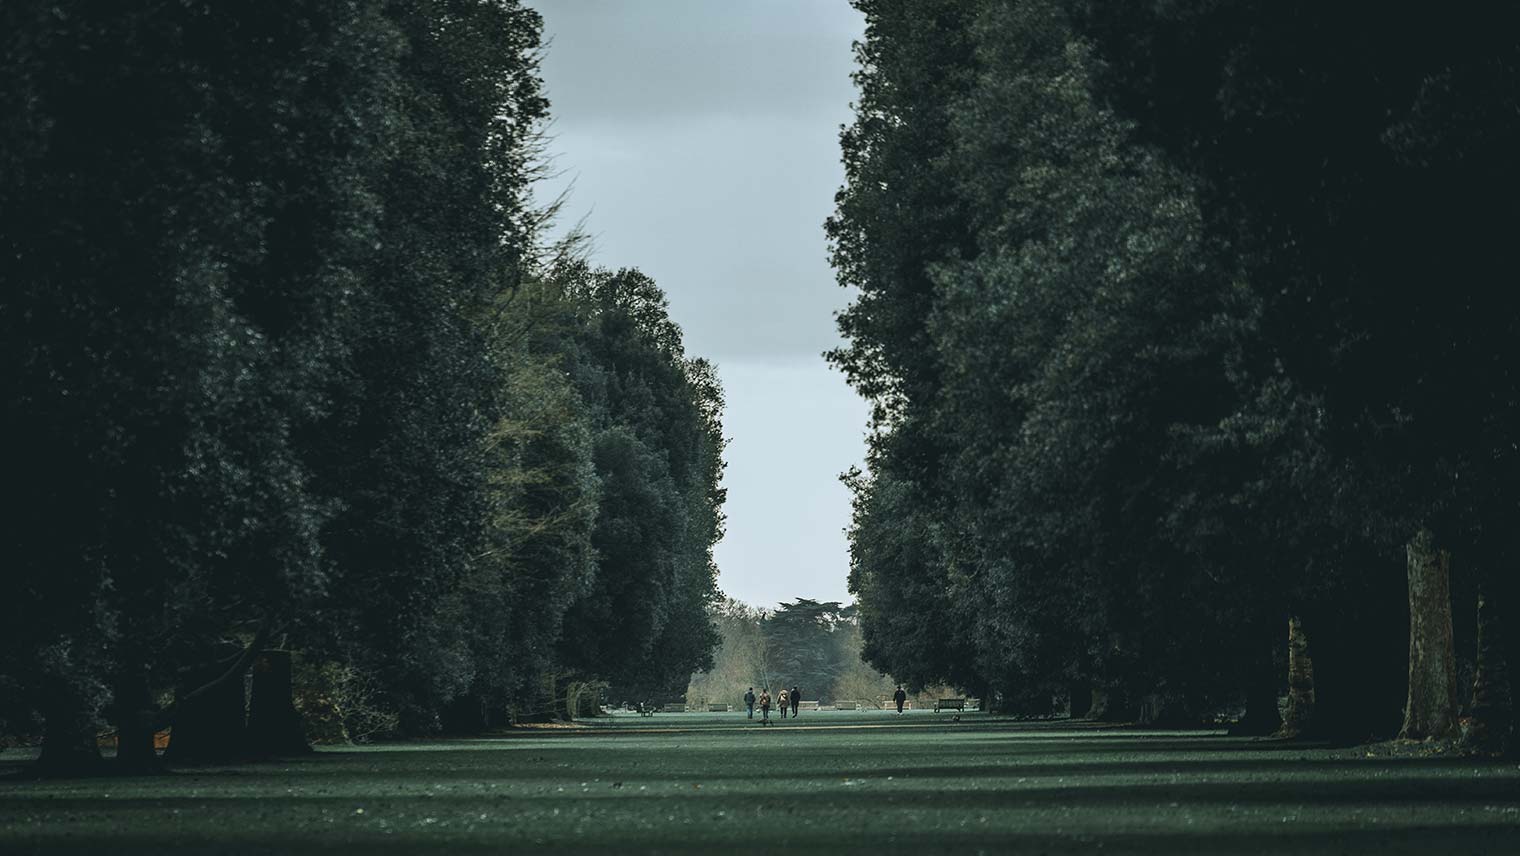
828, 783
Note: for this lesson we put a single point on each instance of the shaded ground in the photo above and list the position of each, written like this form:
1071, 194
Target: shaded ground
832, 782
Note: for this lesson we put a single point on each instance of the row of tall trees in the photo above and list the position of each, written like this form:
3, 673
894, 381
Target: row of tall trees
1183, 323
813, 645
289, 369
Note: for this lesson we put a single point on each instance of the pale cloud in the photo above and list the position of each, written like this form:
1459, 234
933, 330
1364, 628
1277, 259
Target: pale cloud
702, 137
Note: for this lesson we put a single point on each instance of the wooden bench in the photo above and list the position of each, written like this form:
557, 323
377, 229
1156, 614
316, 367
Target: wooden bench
892, 705
718, 708
807, 705
949, 704
847, 705
676, 707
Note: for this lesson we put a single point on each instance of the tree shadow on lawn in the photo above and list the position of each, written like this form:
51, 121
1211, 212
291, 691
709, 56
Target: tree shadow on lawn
986, 760
807, 794
990, 757
817, 721
707, 766
1213, 767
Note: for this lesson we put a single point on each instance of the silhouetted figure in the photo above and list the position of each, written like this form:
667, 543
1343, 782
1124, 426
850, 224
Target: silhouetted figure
901, 698
785, 702
765, 707
749, 701
796, 697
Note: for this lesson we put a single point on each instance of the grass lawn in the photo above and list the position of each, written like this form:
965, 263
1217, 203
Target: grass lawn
831, 782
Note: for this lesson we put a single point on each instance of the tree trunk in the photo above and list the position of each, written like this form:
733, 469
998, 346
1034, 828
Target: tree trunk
549, 701
1491, 729
1110, 705
1431, 711
1300, 717
1097, 708
69, 744
540, 704
136, 715
1029, 702
1081, 700
209, 729
1261, 715
274, 725
466, 715
135, 752
588, 695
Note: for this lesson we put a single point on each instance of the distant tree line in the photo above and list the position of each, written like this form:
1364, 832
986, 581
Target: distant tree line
289, 368
809, 644
1189, 327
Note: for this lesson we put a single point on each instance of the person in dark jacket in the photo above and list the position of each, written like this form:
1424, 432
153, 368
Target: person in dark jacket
749, 701
900, 697
796, 697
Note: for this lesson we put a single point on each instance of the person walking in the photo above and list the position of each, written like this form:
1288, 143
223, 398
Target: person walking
749, 701
900, 697
765, 707
784, 702
796, 697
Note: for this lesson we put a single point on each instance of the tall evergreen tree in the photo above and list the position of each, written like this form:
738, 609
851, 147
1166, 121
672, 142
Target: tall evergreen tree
644, 624
184, 222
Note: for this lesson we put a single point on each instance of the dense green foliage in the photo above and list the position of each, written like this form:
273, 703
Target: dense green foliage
288, 366
815, 646
1179, 318
643, 624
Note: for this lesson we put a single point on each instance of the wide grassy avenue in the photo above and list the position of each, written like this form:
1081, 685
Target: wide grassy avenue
827, 783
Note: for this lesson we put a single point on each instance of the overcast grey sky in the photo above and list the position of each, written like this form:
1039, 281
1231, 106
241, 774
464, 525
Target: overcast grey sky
702, 139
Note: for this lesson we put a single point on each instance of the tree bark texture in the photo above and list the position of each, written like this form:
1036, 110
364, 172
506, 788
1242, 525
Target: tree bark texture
274, 724
1300, 716
1431, 711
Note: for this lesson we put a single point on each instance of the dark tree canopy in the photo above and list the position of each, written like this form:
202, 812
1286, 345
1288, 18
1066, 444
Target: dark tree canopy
290, 367
1179, 319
